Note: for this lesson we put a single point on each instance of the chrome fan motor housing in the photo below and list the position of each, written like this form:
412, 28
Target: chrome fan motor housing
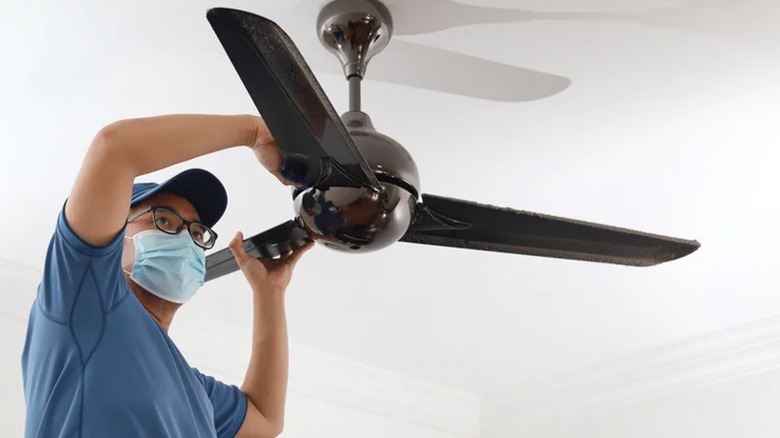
362, 219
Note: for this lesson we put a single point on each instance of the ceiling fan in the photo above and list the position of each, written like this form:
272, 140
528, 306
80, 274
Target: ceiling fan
361, 189
466, 74
751, 23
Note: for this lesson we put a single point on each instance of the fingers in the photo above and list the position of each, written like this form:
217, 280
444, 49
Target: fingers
271, 158
237, 248
292, 258
263, 134
286, 181
292, 171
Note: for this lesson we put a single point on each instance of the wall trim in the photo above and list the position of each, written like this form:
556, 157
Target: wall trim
361, 386
328, 377
21, 280
721, 356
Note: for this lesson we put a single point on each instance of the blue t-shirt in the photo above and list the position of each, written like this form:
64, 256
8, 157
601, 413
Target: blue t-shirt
95, 363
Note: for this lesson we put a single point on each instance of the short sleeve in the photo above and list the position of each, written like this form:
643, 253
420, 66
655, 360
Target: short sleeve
229, 405
80, 279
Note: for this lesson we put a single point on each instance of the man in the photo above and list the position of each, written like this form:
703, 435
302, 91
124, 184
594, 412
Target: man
124, 257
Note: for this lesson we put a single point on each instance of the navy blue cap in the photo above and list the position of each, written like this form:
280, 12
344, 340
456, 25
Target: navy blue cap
200, 187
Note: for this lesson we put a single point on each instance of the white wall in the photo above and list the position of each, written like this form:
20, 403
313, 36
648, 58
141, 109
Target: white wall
12, 402
328, 397
312, 417
747, 407
720, 385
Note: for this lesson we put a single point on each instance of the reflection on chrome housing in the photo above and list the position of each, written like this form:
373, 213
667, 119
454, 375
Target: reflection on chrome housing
355, 219
363, 219
355, 31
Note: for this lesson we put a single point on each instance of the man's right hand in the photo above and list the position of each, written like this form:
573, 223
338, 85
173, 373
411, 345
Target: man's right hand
268, 153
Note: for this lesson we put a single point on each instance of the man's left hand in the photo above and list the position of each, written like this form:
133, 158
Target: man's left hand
266, 274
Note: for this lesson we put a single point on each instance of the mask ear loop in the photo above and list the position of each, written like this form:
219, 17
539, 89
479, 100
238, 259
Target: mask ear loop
129, 273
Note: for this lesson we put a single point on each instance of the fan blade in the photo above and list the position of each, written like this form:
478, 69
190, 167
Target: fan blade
464, 224
268, 244
419, 66
289, 98
440, 15
414, 65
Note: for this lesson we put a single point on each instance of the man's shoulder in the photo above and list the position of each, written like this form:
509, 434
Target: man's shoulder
79, 278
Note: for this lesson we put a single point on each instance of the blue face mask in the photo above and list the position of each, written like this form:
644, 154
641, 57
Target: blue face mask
169, 266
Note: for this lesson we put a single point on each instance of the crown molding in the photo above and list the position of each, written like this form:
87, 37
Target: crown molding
328, 377
717, 357
18, 273
20, 280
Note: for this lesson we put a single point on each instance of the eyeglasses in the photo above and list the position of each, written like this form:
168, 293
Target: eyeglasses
169, 222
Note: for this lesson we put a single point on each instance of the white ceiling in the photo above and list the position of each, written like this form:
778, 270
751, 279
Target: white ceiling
665, 128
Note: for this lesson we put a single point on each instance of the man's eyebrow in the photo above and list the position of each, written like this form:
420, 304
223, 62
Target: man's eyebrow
175, 210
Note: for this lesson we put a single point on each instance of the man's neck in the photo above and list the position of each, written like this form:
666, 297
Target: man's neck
160, 310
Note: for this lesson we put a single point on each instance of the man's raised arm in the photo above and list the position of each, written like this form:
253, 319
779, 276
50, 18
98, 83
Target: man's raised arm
100, 198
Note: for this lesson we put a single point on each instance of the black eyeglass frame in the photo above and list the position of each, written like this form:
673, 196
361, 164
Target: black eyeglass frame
184, 224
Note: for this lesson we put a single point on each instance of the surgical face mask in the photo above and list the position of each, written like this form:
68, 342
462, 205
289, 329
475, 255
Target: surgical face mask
169, 266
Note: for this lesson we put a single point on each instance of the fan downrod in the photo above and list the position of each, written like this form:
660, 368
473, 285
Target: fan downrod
355, 31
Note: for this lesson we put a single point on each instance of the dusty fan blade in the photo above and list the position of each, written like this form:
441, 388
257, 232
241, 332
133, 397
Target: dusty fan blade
464, 224
419, 66
289, 98
268, 244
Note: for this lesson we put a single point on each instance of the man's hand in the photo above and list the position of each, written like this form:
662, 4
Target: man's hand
268, 153
265, 383
266, 274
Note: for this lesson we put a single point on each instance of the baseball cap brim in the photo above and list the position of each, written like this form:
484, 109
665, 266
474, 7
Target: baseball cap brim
199, 186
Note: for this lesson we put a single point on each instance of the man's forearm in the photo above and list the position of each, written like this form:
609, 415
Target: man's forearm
265, 383
126, 149
152, 143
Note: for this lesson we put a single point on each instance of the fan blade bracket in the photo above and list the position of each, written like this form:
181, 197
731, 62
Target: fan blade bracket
426, 219
269, 244
313, 172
